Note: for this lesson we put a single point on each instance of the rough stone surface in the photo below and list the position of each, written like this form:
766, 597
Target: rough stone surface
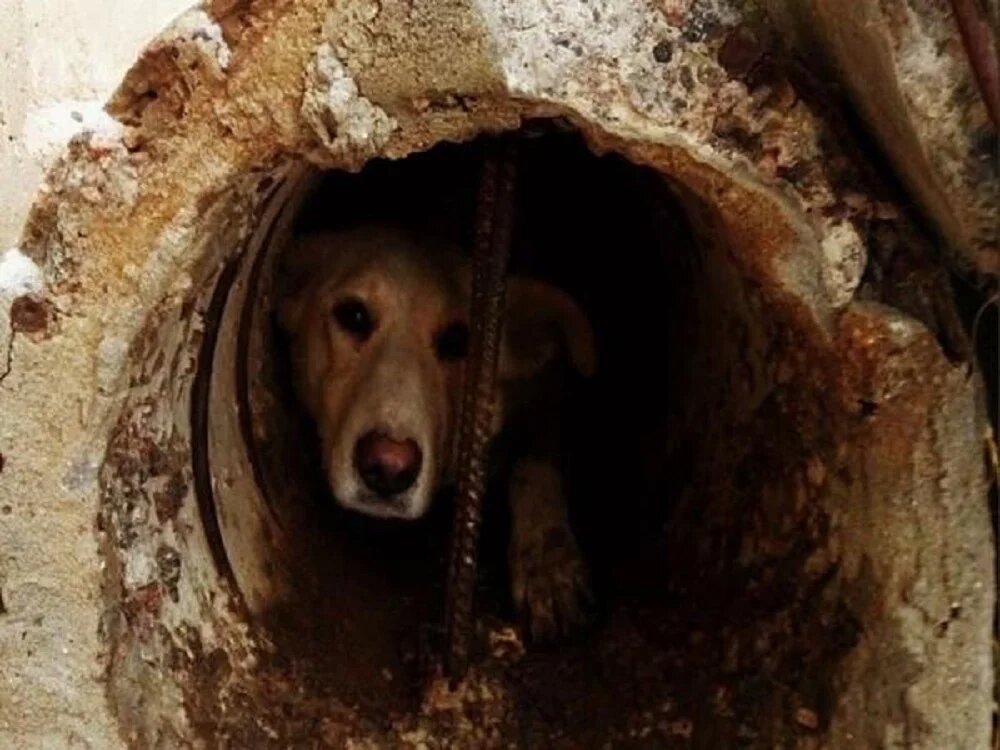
61, 62
905, 68
350, 128
898, 554
117, 627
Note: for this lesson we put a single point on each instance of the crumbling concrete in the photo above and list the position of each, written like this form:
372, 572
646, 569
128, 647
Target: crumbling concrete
120, 624
61, 62
904, 66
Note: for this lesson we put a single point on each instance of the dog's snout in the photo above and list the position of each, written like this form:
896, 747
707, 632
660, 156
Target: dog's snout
387, 466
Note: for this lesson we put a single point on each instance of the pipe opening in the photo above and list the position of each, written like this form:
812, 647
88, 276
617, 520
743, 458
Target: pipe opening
715, 620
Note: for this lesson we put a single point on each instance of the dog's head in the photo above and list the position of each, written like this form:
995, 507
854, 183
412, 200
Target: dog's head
377, 320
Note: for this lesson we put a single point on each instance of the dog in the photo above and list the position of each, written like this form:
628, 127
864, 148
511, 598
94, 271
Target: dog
377, 323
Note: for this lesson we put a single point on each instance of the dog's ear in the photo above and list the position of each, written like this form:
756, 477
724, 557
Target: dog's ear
297, 273
540, 320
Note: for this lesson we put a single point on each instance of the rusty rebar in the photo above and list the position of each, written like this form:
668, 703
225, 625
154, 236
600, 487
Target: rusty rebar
494, 221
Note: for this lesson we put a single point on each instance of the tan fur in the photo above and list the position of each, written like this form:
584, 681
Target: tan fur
395, 382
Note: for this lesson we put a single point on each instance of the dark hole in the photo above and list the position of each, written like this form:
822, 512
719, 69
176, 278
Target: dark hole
613, 236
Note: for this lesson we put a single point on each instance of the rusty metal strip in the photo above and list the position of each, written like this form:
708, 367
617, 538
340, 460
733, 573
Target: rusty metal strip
200, 395
494, 223
283, 197
251, 305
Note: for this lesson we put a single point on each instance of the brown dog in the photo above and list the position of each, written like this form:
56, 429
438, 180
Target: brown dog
377, 320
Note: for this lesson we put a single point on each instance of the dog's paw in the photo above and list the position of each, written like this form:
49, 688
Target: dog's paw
549, 582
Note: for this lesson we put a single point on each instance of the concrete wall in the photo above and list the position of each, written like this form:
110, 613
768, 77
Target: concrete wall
61, 60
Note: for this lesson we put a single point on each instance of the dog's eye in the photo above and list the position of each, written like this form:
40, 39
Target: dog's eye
353, 317
453, 342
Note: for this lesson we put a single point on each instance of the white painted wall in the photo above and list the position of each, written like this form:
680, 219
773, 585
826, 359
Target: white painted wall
59, 61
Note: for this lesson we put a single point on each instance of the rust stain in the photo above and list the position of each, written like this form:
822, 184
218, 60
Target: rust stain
741, 52
232, 16
900, 410
145, 603
31, 314
169, 501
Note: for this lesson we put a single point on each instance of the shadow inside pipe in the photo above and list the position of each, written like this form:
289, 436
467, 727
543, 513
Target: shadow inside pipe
656, 660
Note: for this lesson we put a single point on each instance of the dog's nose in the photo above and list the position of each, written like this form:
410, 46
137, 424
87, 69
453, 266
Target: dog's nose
387, 466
